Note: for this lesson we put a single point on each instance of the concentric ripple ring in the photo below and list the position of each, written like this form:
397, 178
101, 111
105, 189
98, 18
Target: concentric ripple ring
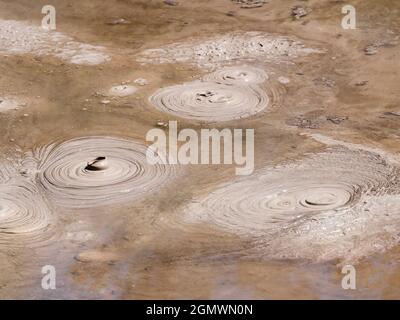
210, 101
239, 75
278, 197
93, 171
25, 218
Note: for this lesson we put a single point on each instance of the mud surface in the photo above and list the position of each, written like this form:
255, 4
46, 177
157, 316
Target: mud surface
77, 193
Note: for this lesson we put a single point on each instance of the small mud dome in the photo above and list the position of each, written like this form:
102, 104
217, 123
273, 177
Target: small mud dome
95, 171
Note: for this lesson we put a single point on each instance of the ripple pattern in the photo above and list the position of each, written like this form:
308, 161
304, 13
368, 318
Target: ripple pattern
239, 75
25, 218
278, 197
210, 101
93, 171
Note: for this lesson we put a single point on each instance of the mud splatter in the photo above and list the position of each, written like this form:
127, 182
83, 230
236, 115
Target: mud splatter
17, 38
250, 4
223, 49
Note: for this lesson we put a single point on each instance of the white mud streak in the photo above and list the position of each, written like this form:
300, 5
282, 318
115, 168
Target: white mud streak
230, 47
17, 38
94, 171
228, 94
25, 218
122, 91
7, 104
319, 208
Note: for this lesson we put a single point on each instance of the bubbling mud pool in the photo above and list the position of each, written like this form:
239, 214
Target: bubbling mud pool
228, 94
227, 242
93, 171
